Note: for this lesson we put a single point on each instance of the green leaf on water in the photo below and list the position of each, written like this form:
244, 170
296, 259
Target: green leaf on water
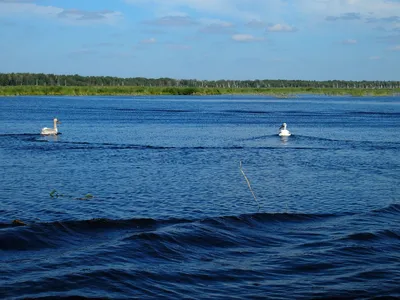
54, 194
86, 197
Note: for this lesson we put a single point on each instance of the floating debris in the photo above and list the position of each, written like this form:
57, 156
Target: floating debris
55, 194
86, 197
18, 223
249, 185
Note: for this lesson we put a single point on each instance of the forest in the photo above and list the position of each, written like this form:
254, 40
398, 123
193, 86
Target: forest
52, 84
13, 79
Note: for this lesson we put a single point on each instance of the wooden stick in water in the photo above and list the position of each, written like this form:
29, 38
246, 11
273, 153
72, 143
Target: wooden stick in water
248, 183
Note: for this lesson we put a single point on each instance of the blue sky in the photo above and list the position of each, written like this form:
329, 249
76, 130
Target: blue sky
203, 39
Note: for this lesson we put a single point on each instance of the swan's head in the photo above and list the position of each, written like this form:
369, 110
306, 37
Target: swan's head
284, 124
56, 121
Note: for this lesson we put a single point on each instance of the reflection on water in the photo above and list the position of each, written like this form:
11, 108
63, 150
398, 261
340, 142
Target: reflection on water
50, 138
284, 139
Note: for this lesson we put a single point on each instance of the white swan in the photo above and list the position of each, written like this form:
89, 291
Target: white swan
51, 131
283, 131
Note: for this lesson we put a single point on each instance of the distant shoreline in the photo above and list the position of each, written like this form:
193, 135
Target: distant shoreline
33, 90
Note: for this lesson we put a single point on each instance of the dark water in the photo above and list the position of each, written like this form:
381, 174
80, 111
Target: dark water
144, 198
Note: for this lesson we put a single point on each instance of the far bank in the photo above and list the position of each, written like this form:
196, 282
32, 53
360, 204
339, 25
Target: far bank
23, 90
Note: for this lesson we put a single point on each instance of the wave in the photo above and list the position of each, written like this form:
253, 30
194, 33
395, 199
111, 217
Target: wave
104, 223
155, 110
372, 113
300, 142
367, 145
221, 230
71, 145
19, 135
87, 145
57, 296
32, 236
391, 209
300, 138
147, 258
258, 112
373, 236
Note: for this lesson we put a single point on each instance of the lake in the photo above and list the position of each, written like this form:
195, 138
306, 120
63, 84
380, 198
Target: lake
144, 197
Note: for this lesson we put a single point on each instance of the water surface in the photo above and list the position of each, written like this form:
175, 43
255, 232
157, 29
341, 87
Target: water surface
171, 214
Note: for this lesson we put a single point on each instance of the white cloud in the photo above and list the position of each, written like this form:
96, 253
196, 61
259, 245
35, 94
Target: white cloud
219, 22
75, 16
253, 11
371, 8
216, 26
239, 9
9, 8
246, 38
280, 28
25, 8
178, 21
349, 42
395, 48
271, 9
256, 24
149, 41
344, 17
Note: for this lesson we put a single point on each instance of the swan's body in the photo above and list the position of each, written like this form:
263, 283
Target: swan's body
51, 131
283, 130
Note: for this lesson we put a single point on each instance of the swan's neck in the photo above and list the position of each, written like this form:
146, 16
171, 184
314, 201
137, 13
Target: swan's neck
55, 125
284, 127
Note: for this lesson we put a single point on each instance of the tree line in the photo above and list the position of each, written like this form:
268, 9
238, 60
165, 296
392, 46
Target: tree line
40, 79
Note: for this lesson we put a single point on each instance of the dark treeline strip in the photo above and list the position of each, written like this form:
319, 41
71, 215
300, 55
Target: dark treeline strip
31, 79
147, 90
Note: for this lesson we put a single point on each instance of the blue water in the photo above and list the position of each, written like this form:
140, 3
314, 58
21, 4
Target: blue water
172, 215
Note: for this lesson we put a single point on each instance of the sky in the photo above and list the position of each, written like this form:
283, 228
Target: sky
203, 39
